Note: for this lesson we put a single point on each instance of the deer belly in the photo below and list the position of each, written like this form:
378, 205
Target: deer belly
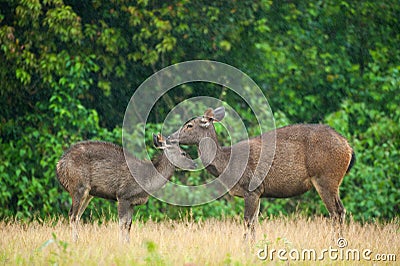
103, 187
285, 186
288, 175
102, 193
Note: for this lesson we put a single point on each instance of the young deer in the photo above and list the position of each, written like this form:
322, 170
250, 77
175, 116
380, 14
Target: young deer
99, 169
306, 155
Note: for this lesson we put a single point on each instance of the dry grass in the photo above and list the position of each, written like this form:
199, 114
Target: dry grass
209, 242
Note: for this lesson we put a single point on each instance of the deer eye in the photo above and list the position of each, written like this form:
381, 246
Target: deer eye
183, 153
189, 125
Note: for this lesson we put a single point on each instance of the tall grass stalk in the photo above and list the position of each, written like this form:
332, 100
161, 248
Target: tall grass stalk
209, 242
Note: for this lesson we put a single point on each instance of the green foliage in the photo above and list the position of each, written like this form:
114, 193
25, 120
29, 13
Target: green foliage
153, 257
60, 249
69, 68
315, 54
372, 188
323, 64
37, 141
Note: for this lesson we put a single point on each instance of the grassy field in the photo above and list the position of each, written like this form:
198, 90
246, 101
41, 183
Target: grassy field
280, 241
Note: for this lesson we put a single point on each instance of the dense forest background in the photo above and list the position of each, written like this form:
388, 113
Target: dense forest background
69, 68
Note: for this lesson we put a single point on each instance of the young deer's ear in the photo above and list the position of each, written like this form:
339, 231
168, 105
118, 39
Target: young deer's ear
158, 141
155, 141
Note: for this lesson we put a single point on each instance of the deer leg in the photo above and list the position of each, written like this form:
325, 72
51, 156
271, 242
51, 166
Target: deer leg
78, 200
84, 205
341, 214
125, 212
251, 210
331, 199
72, 220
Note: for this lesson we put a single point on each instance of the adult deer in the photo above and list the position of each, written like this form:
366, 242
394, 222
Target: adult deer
306, 156
99, 169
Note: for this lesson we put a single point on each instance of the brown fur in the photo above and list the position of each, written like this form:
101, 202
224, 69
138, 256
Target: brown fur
306, 156
99, 169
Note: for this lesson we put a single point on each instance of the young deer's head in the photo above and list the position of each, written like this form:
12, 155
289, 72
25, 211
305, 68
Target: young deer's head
174, 153
193, 131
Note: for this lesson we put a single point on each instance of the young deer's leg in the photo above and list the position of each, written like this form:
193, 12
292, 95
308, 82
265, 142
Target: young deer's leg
84, 205
72, 219
125, 212
331, 199
78, 199
251, 210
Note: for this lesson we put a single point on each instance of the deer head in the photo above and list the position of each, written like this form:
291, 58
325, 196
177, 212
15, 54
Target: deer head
174, 153
198, 128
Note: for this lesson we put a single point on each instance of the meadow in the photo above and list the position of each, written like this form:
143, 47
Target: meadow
280, 241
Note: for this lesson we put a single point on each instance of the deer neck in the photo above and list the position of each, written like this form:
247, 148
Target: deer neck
164, 170
214, 157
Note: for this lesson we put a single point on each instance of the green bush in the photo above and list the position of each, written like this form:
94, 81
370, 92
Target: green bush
69, 68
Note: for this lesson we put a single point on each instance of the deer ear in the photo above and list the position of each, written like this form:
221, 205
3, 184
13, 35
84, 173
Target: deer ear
158, 141
212, 115
219, 113
155, 140
209, 113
